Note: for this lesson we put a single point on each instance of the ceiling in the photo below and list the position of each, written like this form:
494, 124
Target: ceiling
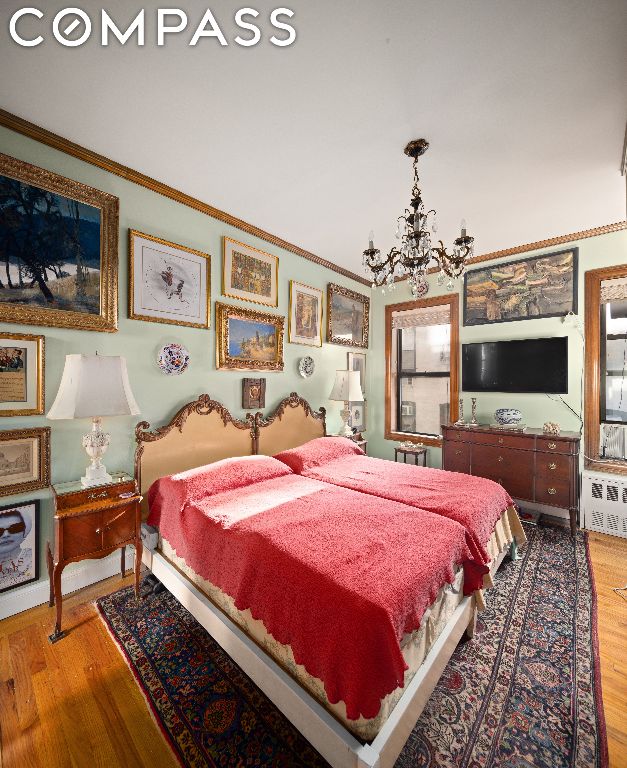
523, 102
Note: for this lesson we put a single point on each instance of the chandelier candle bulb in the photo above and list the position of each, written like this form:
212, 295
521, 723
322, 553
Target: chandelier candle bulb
371, 239
463, 227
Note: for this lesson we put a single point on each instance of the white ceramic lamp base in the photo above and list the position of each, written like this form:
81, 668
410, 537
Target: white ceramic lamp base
96, 443
345, 430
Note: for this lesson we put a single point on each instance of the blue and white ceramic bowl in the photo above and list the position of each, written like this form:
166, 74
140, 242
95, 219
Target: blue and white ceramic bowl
508, 416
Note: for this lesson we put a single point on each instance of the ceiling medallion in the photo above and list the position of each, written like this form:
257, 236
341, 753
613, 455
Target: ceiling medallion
414, 230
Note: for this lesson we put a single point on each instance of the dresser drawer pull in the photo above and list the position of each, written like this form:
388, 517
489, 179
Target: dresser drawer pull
500, 441
110, 523
551, 491
458, 452
552, 446
552, 465
101, 495
500, 458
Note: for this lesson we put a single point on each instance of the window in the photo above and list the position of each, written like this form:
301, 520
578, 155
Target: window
422, 352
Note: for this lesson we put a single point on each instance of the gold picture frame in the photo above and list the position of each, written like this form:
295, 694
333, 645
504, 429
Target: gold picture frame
24, 460
248, 339
305, 315
22, 374
174, 285
69, 215
249, 274
348, 317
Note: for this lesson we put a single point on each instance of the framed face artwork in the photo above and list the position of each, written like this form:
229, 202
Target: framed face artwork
19, 544
357, 362
24, 460
249, 274
21, 374
347, 317
168, 283
253, 393
59, 242
305, 318
248, 339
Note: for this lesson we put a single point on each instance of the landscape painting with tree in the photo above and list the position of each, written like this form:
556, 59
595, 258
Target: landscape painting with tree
58, 250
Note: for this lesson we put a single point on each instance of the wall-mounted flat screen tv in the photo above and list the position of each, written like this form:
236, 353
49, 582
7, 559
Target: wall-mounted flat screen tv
522, 365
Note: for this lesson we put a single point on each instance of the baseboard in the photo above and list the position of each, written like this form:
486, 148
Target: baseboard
89, 572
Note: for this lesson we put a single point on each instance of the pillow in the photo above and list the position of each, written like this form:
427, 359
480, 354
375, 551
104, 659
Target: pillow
175, 491
319, 451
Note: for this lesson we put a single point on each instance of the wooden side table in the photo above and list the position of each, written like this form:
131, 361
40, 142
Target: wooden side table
91, 523
363, 444
417, 452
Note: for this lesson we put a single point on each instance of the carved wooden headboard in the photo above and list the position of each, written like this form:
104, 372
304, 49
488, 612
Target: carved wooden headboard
292, 424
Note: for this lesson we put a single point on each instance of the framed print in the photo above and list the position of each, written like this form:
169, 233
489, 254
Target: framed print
24, 460
22, 361
305, 316
347, 317
59, 241
357, 362
358, 416
248, 339
168, 283
525, 289
253, 393
19, 544
249, 274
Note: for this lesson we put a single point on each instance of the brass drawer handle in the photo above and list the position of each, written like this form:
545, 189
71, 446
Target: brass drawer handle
500, 458
500, 441
552, 491
458, 452
552, 446
552, 465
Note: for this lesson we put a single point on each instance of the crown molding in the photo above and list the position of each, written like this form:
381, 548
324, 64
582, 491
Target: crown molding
36, 132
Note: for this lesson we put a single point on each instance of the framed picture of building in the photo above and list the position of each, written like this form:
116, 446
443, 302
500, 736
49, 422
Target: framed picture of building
22, 361
24, 460
347, 316
248, 339
249, 274
305, 316
168, 283
59, 244
19, 544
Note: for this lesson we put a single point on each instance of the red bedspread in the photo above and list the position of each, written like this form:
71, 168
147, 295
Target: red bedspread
475, 502
337, 575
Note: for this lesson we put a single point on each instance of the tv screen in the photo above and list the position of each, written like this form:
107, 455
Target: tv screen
523, 365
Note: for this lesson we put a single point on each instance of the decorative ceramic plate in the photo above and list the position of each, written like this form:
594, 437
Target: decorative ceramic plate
306, 367
173, 359
422, 287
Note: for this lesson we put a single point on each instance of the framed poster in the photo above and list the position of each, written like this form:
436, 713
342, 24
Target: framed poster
305, 316
168, 283
248, 339
358, 416
19, 544
525, 289
22, 361
357, 362
24, 460
249, 274
59, 241
347, 317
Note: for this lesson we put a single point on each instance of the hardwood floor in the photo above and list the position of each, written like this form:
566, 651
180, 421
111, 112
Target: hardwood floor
76, 703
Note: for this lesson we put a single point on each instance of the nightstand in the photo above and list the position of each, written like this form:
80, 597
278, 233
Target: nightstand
90, 523
416, 451
363, 444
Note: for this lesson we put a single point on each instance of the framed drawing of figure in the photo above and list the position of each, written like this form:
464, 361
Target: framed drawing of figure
21, 374
249, 274
305, 317
24, 460
168, 283
347, 317
19, 544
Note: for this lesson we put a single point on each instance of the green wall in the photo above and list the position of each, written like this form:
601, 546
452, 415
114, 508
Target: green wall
594, 252
160, 396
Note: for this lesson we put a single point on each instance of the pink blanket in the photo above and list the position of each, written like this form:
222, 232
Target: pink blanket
337, 575
475, 502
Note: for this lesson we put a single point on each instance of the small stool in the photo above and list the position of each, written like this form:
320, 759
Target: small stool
417, 452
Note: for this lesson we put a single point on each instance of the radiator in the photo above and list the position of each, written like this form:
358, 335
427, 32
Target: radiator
604, 503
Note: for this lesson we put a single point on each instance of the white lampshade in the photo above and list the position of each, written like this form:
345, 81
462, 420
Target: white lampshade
93, 386
347, 387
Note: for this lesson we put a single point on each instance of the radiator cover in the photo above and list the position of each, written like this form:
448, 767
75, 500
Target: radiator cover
604, 503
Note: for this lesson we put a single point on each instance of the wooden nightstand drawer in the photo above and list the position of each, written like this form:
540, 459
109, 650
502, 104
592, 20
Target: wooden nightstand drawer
118, 526
81, 535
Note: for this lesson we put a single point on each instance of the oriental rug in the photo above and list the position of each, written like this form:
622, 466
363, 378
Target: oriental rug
524, 693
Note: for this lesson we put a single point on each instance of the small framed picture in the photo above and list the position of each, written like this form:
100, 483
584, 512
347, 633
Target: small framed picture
358, 416
347, 317
357, 362
248, 339
305, 318
19, 544
253, 393
168, 283
249, 274
24, 460
22, 361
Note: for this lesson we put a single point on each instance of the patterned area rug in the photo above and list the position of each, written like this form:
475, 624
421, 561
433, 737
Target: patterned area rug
525, 692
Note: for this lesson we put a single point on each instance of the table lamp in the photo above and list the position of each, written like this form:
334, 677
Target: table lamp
347, 388
94, 386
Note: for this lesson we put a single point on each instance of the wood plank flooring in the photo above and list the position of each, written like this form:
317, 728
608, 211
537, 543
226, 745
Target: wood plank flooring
76, 703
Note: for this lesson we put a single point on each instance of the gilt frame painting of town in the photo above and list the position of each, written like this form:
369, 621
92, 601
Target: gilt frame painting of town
248, 339
249, 274
58, 250
525, 289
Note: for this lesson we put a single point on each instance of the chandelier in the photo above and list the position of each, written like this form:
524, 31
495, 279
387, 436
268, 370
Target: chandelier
414, 230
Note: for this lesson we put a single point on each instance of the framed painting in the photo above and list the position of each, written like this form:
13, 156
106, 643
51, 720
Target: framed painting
168, 283
525, 289
358, 416
19, 544
357, 362
305, 316
24, 460
248, 339
22, 361
59, 245
249, 274
347, 317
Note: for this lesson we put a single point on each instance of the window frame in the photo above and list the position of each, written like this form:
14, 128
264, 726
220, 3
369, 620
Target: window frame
452, 299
